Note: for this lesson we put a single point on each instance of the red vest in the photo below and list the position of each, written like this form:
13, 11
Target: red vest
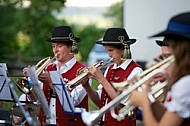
64, 119
116, 75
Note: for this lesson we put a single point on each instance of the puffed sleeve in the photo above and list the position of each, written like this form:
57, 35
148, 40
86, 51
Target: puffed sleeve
178, 99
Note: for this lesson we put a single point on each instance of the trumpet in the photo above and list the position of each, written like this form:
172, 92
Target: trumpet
122, 85
25, 86
83, 74
91, 118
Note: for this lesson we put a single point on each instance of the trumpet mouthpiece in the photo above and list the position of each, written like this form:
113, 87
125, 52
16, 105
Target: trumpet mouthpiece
55, 56
110, 60
105, 64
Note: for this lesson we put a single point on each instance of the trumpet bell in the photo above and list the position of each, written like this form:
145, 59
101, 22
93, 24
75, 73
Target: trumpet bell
22, 85
90, 118
25, 86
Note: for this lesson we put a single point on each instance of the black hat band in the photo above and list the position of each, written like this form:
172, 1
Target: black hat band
64, 38
107, 42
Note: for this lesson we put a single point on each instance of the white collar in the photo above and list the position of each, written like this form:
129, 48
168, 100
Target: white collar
67, 66
124, 65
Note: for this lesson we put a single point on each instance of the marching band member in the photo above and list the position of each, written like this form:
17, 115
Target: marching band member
117, 43
176, 108
64, 46
165, 50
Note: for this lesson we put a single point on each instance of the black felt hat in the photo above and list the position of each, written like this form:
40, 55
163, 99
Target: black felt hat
63, 34
161, 43
178, 25
116, 36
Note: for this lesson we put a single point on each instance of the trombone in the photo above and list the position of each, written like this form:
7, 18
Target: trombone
91, 118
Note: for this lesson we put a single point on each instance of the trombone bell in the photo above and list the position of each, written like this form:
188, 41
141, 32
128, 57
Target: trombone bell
90, 118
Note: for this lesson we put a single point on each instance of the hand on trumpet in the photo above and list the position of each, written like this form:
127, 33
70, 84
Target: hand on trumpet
95, 73
140, 97
161, 57
85, 82
24, 71
46, 79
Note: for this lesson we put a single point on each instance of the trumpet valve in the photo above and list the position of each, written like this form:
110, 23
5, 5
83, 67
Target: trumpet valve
99, 64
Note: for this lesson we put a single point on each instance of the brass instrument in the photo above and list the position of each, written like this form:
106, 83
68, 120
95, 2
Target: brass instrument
91, 118
120, 87
25, 86
83, 74
38, 91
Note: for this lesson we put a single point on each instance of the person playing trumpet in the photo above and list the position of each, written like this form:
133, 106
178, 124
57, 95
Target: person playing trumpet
64, 46
165, 50
175, 111
117, 43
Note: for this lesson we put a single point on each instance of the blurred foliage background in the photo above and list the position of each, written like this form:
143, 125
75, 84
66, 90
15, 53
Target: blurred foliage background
26, 24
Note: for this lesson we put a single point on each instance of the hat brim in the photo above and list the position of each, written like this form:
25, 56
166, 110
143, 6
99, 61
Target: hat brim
161, 43
64, 40
130, 42
165, 33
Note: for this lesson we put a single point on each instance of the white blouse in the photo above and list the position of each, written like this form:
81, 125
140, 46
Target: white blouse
78, 93
178, 99
124, 65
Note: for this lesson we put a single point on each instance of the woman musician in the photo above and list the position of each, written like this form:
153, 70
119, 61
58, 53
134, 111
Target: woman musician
117, 44
176, 108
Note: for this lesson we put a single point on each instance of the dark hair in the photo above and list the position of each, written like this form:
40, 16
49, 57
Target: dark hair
181, 51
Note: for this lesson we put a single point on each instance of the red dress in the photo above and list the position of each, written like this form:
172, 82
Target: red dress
63, 119
116, 75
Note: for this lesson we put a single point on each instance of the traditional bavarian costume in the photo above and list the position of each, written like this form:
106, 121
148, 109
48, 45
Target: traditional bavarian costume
118, 38
117, 74
69, 71
64, 34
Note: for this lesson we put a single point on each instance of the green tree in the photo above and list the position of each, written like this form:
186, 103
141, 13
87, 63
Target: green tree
7, 29
115, 13
37, 21
88, 34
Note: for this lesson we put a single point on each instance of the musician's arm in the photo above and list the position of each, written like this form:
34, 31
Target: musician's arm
158, 113
92, 94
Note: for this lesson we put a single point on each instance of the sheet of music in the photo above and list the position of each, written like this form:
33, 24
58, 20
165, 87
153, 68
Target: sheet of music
5, 93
